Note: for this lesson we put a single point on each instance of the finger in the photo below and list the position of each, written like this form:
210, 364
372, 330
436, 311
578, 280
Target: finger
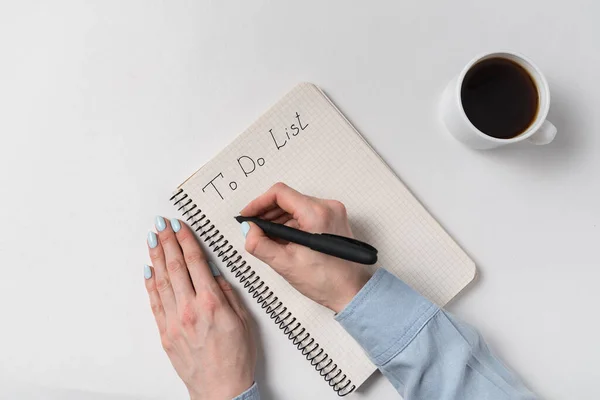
283, 219
162, 280
272, 214
270, 208
264, 248
155, 304
175, 264
194, 256
292, 223
280, 194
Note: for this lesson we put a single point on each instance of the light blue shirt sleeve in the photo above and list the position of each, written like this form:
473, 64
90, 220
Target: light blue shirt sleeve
425, 352
250, 394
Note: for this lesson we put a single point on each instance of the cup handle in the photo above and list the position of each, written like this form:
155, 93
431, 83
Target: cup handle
544, 135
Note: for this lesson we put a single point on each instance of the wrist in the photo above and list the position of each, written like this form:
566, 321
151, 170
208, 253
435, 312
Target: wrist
349, 288
227, 391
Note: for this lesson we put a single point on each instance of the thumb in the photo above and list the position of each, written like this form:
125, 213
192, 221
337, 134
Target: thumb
264, 248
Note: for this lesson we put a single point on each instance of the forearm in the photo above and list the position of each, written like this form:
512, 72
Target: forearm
423, 351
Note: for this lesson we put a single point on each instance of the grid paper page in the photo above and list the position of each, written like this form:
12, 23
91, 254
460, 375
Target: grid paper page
322, 155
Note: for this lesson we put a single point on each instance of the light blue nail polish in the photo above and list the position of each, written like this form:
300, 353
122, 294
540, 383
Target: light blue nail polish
147, 272
152, 240
160, 223
175, 224
213, 268
245, 228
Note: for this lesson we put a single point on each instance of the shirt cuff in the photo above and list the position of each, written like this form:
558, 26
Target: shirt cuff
250, 394
385, 316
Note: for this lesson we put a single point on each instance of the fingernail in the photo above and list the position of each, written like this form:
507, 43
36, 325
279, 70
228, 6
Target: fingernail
152, 240
213, 268
175, 225
245, 226
160, 223
147, 272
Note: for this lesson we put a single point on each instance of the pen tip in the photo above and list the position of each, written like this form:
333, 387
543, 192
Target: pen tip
239, 219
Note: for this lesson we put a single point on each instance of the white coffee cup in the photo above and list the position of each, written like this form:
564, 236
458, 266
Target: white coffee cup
539, 131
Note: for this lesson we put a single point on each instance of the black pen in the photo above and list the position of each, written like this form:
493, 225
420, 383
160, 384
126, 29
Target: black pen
334, 245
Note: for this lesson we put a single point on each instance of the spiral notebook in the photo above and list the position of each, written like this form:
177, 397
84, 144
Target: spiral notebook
307, 143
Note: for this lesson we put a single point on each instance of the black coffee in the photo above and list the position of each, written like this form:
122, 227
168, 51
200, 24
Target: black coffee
499, 98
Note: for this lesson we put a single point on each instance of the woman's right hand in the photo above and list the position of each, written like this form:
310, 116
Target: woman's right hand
330, 281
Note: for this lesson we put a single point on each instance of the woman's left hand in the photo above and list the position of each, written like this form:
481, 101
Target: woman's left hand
204, 328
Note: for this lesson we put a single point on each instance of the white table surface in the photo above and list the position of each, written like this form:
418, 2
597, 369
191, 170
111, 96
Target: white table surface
105, 106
